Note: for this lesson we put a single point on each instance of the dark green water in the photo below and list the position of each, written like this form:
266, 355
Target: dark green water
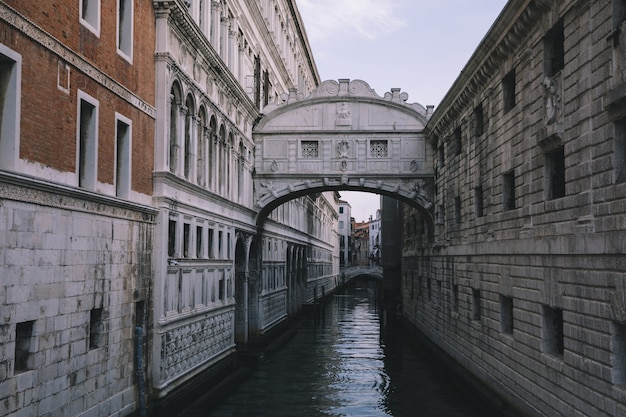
344, 363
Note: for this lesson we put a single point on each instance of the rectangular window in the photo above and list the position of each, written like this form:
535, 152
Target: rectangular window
458, 140
10, 98
554, 50
220, 244
553, 331
341, 210
508, 91
508, 191
310, 149
479, 121
23, 346
90, 15
340, 224
199, 241
125, 29
475, 304
186, 239
378, 149
87, 141
96, 328
619, 140
618, 353
457, 210
210, 242
478, 201
555, 173
171, 238
506, 314
122, 157
442, 155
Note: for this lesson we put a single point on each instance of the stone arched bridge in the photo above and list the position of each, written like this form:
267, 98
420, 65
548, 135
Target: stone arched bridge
343, 136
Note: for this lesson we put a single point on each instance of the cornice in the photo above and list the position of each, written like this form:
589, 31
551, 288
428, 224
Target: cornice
514, 24
19, 187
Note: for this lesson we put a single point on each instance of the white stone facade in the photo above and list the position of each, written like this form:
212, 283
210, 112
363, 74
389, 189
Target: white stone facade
218, 282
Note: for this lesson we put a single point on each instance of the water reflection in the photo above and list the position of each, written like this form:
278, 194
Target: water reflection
341, 364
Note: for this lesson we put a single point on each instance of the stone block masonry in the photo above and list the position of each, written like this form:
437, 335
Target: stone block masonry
70, 279
523, 282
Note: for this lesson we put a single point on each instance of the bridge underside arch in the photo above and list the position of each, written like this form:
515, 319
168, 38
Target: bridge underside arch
416, 195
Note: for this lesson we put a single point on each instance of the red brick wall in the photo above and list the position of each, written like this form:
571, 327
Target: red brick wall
49, 115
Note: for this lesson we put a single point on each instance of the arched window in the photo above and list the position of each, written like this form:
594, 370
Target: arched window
201, 142
189, 129
175, 101
229, 164
221, 170
240, 171
212, 163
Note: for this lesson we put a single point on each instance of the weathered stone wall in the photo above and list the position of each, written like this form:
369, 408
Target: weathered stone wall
76, 276
523, 283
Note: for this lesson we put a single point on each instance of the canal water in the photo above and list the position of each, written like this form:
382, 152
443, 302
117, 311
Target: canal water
344, 362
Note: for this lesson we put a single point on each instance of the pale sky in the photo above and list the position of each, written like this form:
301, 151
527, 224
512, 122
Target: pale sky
419, 46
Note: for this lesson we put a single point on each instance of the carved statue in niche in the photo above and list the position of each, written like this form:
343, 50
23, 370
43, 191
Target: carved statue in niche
553, 99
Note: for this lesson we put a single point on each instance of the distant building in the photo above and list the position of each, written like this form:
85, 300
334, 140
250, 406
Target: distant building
360, 243
374, 239
345, 233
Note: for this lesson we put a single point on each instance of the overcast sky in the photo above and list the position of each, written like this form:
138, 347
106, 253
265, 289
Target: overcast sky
419, 46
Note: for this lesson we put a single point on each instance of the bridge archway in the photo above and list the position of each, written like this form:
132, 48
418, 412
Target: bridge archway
343, 136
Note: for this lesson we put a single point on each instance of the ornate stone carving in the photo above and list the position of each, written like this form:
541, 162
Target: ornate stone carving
189, 345
344, 114
343, 149
552, 99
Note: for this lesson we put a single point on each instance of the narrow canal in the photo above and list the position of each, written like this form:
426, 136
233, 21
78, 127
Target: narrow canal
345, 363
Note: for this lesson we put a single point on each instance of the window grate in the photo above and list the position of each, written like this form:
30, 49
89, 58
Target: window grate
378, 149
310, 149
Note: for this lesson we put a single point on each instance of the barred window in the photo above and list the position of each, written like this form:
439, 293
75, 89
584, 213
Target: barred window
378, 149
310, 149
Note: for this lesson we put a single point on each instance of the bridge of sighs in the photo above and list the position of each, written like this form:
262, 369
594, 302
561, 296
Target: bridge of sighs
343, 136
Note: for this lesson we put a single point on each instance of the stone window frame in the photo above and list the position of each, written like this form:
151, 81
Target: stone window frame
619, 150
508, 91
89, 15
87, 127
554, 173
508, 191
97, 331
506, 315
475, 304
457, 135
479, 202
11, 79
553, 339
479, 120
125, 27
23, 358
123, 155
310, 149
379, 148
618, 353
554, 50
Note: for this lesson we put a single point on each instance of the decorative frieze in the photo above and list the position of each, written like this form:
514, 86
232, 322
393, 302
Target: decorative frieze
192, 344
